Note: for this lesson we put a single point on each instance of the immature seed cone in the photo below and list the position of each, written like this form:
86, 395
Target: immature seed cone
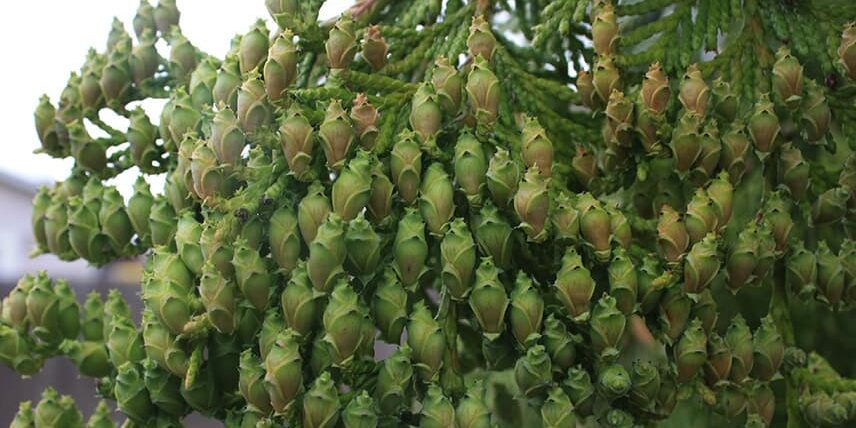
588, 95
183, 119
481, 40
579, 387
299, 306
672, 236
458, 258
394, 382
253, 109
702, 216
141, 137
739, 340
533, 373
527, 310
829, 207
735, 147
389, 307
405, 165
726, 100
144, 60
132, 398
708, 158
607, 328
830, 275
604, 30
802, 271
565, 219
202, 82
605, 79
762, 402
425, 115
655, 92
252, 275
87, 152
764, 126
284, 238
691, 351
493, 235
280, 69
769, 350
503, 176
645, 380
557, 411
341, 45
675, 307
718, 365
410, 250
623, 281
45, 117
427, 342
360, 412
701, 265
470, 167
114, 221
164, 390
349, 332
448, 84
283, 378
817, 115
365, 118
847, 50
124, 343
437, 410
721, 194
613, 381
483, 90
594, 225
532, 205
537, 149
472, 411
686, 148
312, 212
819, 409
364, 247
183, 56
574, 286
787, 79
227, 138
489, 300
559, 343
352, 188
436, 203
253, 47
225, 91
219, 295
327, 254
379, 209
694, 93
619, 118
337, 135
17, 353
54, 410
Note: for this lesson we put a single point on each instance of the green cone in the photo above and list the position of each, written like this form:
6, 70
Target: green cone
321, 403
489, 300
427, 342
394, 382
389, 307
299, 307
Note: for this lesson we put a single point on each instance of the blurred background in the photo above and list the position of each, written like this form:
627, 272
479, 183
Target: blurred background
42, 42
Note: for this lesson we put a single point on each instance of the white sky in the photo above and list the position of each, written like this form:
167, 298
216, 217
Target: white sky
43, 40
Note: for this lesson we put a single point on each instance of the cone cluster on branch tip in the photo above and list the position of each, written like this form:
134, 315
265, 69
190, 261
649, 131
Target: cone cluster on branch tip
407, 174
